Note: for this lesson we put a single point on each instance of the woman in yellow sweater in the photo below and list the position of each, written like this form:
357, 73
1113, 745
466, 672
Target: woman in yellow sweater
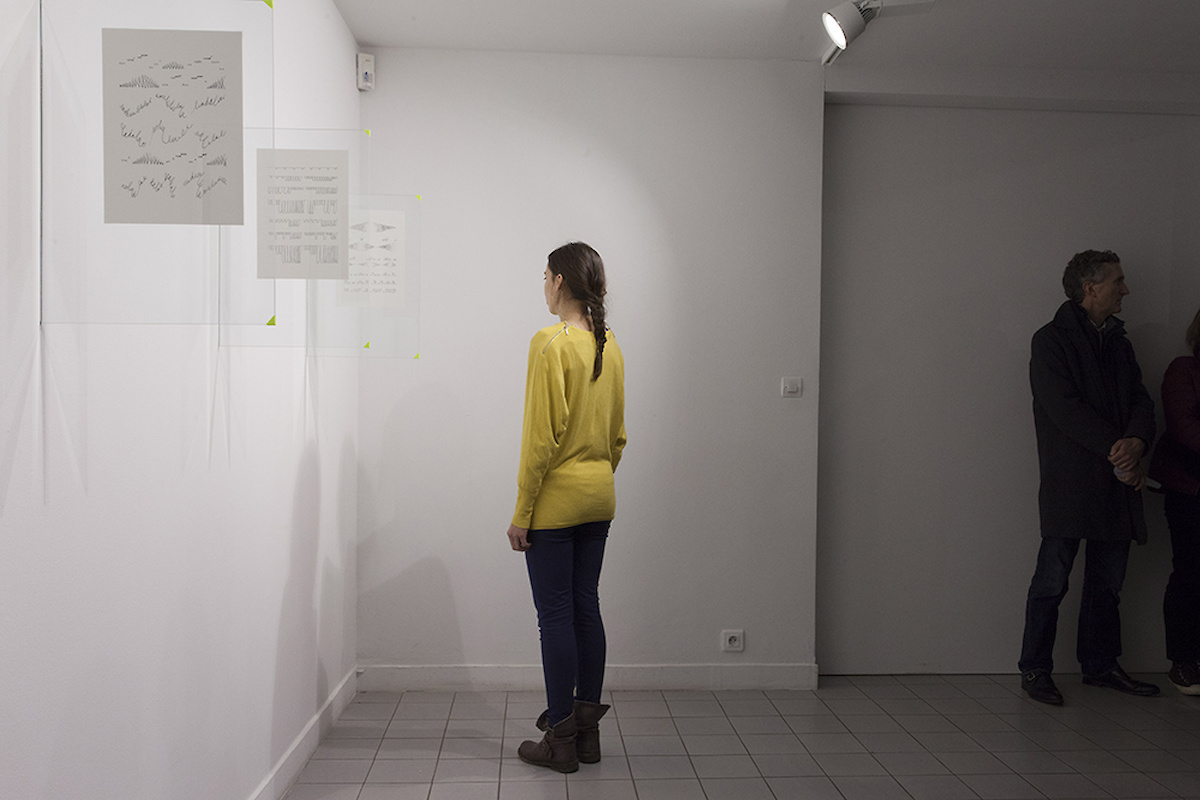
571, 442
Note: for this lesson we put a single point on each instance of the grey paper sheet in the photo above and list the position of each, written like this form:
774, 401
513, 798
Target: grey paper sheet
303, 214
173, 126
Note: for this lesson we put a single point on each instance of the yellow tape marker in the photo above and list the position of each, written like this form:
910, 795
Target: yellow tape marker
270, 4
367, 131
418, 355
418, 197
367, 345
271, 321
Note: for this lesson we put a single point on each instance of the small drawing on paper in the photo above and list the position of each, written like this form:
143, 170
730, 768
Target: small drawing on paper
303, 213
172, 126
376, 260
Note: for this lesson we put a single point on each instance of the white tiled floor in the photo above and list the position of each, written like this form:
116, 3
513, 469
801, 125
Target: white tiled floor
921, 737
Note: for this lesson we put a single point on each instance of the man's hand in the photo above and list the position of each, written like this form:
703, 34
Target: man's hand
1135, 477
1126, 453
518, 538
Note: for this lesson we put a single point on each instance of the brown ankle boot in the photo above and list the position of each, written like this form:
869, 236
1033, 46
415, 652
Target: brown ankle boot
587, 726
556, 750
587, 721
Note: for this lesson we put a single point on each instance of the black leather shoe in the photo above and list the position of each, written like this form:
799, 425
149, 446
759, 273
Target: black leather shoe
1040, 686
1116, 678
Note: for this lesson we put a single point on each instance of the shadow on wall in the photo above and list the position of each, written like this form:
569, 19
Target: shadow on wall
297, 633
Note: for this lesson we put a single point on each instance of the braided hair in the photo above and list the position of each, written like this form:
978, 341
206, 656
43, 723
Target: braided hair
583, 273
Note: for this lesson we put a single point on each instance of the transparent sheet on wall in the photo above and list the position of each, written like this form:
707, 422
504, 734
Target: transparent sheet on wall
376, 313
254, 311
131, 272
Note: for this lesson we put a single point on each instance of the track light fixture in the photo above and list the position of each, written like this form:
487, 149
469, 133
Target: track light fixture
845, 22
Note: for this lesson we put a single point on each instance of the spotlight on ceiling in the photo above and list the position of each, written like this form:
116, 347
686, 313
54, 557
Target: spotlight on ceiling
845, 22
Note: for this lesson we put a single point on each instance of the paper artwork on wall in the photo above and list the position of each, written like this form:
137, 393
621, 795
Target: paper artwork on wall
172, 126
376, 259
303, 214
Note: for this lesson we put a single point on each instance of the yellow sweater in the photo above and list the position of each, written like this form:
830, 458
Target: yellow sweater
574, 430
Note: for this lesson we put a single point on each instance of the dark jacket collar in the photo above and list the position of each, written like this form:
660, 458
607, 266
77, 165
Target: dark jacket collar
1072, 316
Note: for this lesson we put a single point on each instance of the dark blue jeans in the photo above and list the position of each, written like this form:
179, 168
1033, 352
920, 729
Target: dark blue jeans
1099, 641
564, 573
1181, 603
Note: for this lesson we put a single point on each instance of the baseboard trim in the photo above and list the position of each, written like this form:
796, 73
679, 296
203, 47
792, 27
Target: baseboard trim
288, 767
490, 677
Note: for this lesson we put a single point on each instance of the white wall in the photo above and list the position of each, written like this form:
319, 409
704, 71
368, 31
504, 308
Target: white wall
177, 572
946, 232
699, 183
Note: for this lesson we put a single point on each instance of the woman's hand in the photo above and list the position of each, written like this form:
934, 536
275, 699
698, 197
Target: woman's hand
518, 538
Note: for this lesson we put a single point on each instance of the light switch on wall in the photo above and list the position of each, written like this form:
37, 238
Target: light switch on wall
791, 387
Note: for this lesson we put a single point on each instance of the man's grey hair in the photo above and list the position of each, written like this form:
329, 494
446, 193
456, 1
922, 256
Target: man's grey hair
1086, 267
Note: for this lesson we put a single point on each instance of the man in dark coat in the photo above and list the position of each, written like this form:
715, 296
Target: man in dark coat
1094, 421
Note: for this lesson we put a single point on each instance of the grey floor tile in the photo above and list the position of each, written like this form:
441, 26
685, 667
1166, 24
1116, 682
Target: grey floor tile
402, 771
852, 705
724, 767
1025, 763
348, 749
972, 763
358, 729
911, 764
849, 764
722, 745
649, 767
831, 743
438, 711
368, 711
424, 697
809, 788
611, 768
701, 726
1001, 787
925, 723
871, 723
323, 791
947, 741
378, 697
771, 743
641, 708
525, 790
800, 706
768, 724
410, 748
395, 791
1089, 761
1129, 784
602, 790
1153, 761
416, 729
752, 788
1011, 741
889, 742
484, 728
787, 765
936, 787
654, 746
334, 771
463, 791
471, 748
1060, 787
870, 788
651, 726
669, 789
748, 708
978, 723
812, 723
464, 770
695, 708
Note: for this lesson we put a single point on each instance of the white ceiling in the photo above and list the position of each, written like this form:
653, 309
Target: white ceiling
1086, 35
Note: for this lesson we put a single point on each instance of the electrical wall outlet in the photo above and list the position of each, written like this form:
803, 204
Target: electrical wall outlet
733, 641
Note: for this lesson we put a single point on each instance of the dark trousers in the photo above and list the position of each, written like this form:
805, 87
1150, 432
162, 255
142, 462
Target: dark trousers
1181, 603
1099, 641
564, 573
